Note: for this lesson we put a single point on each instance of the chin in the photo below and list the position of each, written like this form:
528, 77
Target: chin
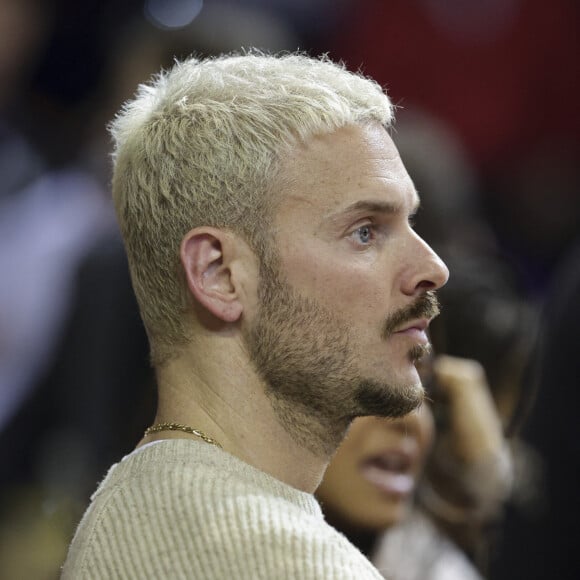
410, 383
382, 517
392, 399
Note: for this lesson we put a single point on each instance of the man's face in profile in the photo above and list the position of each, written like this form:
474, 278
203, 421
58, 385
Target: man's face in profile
346, 299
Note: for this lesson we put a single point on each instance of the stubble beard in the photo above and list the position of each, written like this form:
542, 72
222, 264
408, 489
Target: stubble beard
306, 358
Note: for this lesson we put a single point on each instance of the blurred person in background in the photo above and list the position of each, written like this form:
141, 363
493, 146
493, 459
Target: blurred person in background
23, 28
542, 528
375, 490
49, 217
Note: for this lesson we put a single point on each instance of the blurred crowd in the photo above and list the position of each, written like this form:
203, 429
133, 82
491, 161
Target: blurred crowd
488, 125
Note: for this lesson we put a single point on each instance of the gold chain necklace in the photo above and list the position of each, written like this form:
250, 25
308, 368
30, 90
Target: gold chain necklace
179, 427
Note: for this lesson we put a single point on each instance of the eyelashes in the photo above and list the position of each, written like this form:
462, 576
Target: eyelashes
366, 234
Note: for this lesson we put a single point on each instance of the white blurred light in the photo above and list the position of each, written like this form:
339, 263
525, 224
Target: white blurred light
172, 13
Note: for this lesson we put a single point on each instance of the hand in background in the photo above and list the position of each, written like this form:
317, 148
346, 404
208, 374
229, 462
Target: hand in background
474, 431
469, 473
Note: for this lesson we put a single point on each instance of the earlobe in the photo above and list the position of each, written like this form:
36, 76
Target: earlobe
204, 254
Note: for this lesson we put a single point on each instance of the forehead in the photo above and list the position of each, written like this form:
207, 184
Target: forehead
353, 167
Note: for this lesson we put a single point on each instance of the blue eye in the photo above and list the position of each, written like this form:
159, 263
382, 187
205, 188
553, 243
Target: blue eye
365, 234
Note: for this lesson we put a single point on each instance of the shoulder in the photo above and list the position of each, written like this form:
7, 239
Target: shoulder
204, 514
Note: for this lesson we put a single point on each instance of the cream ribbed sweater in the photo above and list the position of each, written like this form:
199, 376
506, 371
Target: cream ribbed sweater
185, 509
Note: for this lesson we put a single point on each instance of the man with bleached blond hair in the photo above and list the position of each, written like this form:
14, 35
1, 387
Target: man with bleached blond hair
266, 215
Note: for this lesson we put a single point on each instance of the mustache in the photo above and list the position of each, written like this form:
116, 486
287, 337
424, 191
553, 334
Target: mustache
426, 306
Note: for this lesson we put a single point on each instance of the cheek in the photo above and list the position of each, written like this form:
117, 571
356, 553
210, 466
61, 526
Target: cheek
355, 502
352, 292
357, 288
347, 493
383, 514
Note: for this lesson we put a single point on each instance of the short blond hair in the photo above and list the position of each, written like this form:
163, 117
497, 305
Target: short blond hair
201, 144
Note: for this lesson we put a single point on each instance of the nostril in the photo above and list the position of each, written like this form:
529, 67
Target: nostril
427, 285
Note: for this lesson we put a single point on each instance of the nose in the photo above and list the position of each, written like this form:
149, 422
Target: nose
427, 271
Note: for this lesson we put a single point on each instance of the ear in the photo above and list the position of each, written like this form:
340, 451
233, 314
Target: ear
206, 255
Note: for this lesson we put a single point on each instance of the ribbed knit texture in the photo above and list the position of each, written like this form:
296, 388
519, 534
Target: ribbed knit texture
185, 509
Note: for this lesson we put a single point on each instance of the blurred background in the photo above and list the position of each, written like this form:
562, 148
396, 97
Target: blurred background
488, 95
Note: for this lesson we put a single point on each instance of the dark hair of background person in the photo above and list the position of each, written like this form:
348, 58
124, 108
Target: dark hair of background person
540, 535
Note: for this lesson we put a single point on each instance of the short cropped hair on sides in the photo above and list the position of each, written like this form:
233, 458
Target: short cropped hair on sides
200, 145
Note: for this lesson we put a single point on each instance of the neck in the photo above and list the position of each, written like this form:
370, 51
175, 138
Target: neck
227, 402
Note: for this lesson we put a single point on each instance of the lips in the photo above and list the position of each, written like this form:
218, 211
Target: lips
391, 473
420, 325
415, 330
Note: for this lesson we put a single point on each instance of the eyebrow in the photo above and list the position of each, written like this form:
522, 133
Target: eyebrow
372, 206
383, 207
